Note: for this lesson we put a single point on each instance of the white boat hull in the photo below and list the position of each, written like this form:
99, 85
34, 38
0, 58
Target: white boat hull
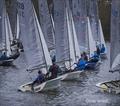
71, 76
47, 85
110, 86
103, 55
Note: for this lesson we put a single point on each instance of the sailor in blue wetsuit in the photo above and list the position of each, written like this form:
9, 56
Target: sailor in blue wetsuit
81, 63
94, 58
3, 56
102, 49
40, 78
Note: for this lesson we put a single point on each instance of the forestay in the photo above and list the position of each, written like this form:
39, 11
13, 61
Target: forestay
115, 35
34, 43
46, 23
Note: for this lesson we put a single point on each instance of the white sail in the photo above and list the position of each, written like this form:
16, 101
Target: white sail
94, 18
92, 44
18, 28
33, 40
46, 23
7, 34
75, 40
115, 35
70, 39
1, 21
2, 35
61, 41
43, 43
79, 17
102, 40
9, 28
11, 10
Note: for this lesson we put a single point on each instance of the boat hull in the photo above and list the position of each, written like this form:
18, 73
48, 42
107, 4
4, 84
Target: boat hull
45, 86
103, 56
6, 62
71, 76
110, 86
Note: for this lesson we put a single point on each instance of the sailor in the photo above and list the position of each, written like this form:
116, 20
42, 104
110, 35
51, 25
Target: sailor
54, 58
40, 78
54, 69
81, 63
4, 56
20, 45
102, 48
85, 56
98, 50
94, 58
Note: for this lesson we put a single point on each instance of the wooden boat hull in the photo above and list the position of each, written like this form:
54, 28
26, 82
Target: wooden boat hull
47, 85
110, 86
71, 76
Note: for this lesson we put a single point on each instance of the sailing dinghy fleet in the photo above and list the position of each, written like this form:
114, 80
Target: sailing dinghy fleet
113, 86
40, 33
8, 53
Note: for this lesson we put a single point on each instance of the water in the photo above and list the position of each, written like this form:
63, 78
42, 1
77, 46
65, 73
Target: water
76, 93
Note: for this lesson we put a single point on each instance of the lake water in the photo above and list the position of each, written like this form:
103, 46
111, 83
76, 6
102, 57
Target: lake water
76, 93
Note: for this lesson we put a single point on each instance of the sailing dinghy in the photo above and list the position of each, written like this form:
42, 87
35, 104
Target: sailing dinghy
113, 86
65, 36
37, 47
7, 55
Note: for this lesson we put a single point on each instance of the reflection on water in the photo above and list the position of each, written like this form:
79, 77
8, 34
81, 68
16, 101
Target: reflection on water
82, 92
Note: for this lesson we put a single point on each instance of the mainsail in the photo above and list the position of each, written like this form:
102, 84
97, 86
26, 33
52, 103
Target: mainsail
75, 40
9, 28
79, 17
11, 10
115, 35
101, 35
91, 41
70, 36
2, 24
94, 18
34, 43
46, 23
1, 19
6, 30
62, 53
